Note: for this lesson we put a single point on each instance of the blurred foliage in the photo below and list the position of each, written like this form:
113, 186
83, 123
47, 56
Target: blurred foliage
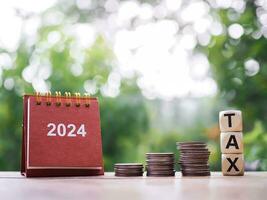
124, 123
228, 56
237, 85
255, 146
124, 118
132, 125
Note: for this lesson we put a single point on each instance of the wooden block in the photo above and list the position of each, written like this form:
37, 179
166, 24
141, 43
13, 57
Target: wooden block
232, 142
233, 164
230, 120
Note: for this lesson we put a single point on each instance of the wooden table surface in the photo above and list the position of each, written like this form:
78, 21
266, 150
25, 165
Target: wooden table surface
251, 186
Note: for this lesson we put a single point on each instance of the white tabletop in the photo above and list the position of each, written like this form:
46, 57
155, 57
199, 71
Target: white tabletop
251, 186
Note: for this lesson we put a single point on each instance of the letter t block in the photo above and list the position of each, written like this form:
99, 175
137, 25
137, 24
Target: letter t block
230, 120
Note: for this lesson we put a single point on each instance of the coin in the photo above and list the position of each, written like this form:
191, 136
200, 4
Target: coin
128, 169
194, 157
160, 164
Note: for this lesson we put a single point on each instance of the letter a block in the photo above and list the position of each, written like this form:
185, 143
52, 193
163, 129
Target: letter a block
233, 164
232, 142
230, 120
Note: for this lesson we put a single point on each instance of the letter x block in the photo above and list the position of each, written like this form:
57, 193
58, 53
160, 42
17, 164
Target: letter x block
233, 164
232, 142
230, 120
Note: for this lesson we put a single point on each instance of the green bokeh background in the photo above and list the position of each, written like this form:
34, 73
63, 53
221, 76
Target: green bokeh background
131, 124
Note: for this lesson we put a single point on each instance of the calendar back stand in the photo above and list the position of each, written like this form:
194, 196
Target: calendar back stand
61, 136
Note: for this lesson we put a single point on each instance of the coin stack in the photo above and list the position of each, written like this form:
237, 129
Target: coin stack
194, 157
128, 169
160, 164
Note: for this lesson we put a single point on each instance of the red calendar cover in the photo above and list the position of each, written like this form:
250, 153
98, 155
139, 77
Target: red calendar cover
61, 136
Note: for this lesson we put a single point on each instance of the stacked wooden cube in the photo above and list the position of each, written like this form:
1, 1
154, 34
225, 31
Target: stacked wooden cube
231, 137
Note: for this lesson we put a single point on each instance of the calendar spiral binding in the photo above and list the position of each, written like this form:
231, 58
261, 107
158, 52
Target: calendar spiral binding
68, 97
